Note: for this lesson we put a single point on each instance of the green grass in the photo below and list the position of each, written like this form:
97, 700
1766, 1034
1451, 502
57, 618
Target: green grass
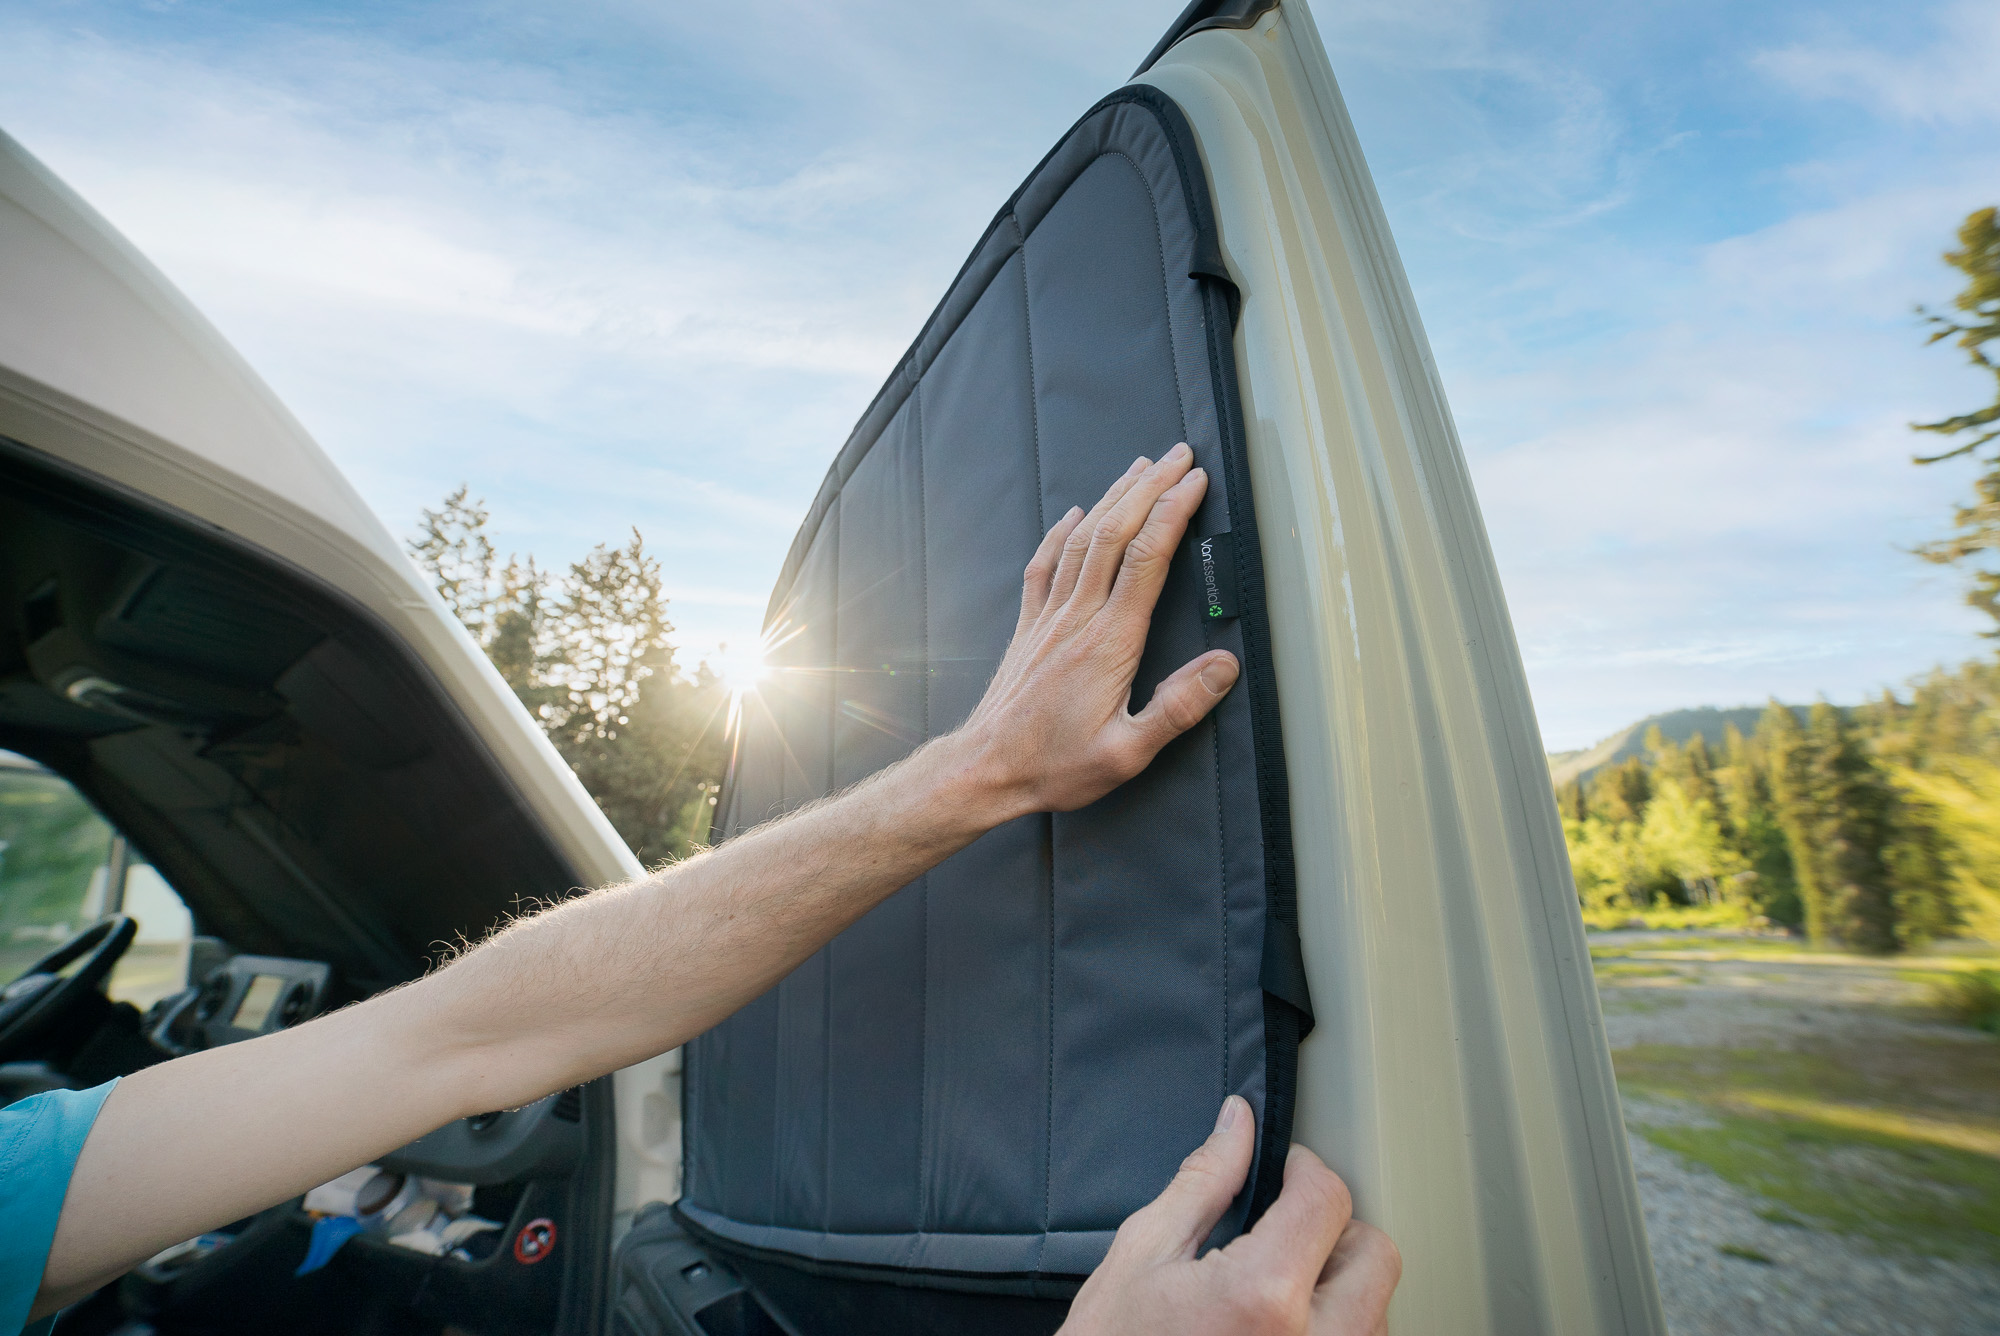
1900, 1148
1748, 948
1900, 1194
1971, 997
1746, 1253
1668, 917
1631, 1003
1634, 970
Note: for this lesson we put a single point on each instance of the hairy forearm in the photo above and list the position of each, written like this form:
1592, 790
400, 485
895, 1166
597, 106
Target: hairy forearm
623, 974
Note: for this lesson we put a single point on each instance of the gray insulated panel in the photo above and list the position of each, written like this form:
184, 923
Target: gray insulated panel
973, 1085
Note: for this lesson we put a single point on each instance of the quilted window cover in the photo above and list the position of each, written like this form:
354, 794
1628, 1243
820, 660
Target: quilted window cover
977, 1082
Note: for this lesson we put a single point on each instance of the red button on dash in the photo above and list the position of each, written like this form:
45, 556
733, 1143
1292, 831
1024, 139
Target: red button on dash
536, 1240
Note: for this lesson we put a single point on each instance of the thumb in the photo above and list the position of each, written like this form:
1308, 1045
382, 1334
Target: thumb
1173, 1225
1184, 700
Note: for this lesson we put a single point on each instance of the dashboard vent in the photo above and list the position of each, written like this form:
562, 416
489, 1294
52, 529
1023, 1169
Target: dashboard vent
569, 1105
213, 994
298, 1005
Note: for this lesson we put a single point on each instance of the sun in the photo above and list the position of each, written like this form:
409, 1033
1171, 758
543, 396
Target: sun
740, 671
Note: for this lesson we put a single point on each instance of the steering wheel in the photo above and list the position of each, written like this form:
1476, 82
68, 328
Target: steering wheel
33, 1004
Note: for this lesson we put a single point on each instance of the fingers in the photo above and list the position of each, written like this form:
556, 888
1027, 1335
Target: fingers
1142, 570
1041, 572
1184, 700
1176, 1221
1077, 544
1123, 522
1299, 1230
1360, 1278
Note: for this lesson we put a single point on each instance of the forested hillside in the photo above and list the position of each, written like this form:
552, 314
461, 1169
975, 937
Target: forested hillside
1680, 726
1875, 827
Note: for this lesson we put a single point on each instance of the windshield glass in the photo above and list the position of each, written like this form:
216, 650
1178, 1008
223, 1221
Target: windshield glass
63, 867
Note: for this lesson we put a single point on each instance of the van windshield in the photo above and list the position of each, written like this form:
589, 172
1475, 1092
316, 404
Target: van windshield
62, 868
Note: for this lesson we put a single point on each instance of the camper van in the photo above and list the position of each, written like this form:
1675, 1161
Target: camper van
254, 770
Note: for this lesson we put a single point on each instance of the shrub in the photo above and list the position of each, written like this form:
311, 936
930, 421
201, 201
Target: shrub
1972, 998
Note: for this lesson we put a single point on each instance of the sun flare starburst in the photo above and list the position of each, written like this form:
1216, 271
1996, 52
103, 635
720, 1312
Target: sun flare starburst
740, 671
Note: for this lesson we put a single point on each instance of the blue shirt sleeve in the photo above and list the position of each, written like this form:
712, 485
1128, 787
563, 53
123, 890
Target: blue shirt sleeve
40, 1138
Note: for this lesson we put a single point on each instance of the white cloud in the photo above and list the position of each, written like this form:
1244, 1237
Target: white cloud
1726, 515
1949, 82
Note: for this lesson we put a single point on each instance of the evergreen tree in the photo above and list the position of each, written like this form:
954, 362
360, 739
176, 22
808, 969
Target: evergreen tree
1833, 806
1975, 538
1570, 801
1918, 863
1698, 773
1745, 784
590, 654
1962, 796
1619, 795
1788, 771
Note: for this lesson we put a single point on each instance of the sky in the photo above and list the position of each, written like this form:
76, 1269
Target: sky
618, 264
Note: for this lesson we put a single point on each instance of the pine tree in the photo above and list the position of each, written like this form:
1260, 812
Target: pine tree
1751, 813
1976, 535
589, 653
1570, 800
1918, 863
1619, 794
1788, 770
1834, 808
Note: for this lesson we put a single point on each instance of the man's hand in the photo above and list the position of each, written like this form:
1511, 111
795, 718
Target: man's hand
1054, 730
1307, 1267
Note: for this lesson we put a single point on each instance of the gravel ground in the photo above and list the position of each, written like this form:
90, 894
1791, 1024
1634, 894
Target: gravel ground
1814, 1281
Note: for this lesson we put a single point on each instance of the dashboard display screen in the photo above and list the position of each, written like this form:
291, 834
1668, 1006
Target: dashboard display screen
258, 999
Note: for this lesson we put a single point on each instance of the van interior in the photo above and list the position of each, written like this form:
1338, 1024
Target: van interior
231, 797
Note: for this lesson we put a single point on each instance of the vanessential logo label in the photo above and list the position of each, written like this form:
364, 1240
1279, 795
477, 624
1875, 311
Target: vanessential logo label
1218, 575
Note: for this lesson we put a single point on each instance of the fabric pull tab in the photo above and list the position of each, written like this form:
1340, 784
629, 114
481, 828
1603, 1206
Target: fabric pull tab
1209, 269
1217, 554
1283, 972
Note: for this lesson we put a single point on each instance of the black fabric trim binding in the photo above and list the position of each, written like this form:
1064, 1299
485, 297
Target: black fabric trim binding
1020, 1284
1288, 1014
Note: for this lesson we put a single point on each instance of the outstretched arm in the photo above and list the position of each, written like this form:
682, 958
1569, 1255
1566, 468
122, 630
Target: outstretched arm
617, 976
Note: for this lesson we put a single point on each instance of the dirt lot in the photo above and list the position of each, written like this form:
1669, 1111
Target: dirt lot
1817, 1149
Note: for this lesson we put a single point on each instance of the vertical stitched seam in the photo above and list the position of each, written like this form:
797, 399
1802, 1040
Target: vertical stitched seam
1166, 287
827, 959
1034, 402
777, 1093
1222, 862
826, 955
924, 892
1215, 728
1048, 821
826, 1094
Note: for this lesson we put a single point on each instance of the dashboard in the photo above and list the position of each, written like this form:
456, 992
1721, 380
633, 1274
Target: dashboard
247, 996
442, 1249
242, 998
